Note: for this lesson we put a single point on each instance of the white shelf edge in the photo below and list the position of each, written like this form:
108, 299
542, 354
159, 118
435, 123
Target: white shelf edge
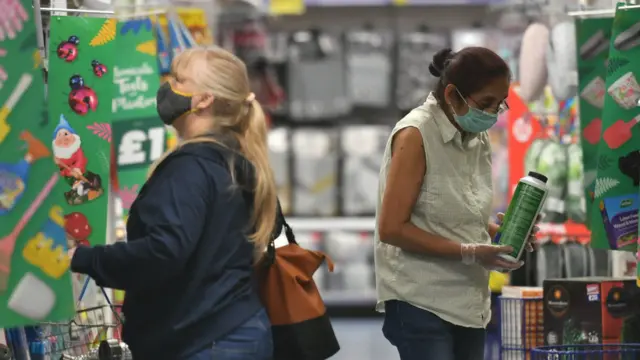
349, 297
332, 223
364, 223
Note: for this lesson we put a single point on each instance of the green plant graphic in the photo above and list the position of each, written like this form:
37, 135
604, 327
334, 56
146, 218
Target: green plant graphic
604, 162
615, 64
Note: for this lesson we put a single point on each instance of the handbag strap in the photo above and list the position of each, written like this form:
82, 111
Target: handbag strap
281, 223
227, 147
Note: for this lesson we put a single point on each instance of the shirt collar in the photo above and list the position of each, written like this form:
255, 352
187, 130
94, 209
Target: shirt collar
448, 131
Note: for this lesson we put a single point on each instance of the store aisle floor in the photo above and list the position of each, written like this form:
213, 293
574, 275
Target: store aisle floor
362, 339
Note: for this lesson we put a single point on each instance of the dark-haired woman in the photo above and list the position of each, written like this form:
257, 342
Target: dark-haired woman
433, 237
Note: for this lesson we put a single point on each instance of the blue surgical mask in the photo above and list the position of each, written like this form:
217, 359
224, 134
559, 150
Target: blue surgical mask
475, 120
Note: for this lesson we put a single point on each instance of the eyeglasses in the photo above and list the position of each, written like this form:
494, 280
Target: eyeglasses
502, 107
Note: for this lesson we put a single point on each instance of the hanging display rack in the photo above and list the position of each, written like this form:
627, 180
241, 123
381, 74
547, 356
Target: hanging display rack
106, 12
603, 12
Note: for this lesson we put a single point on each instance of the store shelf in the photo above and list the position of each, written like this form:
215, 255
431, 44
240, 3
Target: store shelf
332, 223
368, 224
349, 297
345, 3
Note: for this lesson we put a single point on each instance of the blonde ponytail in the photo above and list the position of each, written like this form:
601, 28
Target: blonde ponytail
254, 148
235, 112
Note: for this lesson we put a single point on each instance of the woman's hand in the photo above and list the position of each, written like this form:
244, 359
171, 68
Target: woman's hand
488, 256
530, 246
70, 252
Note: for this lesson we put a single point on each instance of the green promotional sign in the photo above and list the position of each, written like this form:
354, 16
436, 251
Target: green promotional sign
614, 218
35, 284
80, 92
593, 50
138, 133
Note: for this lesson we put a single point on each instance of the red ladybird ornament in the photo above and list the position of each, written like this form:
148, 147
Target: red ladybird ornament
98, 69
82, 99
68, 50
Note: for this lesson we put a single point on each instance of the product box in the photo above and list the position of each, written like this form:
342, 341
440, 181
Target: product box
521, 322
588, 310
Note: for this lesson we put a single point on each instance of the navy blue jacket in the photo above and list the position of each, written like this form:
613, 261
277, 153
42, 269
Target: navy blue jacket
187, 267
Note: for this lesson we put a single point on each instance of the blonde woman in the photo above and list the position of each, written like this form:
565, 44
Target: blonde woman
206, 211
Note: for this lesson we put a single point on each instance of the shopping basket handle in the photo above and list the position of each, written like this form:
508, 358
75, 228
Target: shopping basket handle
5, 352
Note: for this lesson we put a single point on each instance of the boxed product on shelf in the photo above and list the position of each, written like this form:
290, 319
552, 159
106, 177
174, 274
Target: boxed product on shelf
352, 252
278, 140
588, 310
369, 66
413, 80
521, 321
315, 161
362, 151
316, 72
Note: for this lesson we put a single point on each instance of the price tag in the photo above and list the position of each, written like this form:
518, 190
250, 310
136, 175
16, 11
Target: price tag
287, 7
138, 143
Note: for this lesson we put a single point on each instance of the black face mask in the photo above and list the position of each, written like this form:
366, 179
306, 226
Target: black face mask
170, 104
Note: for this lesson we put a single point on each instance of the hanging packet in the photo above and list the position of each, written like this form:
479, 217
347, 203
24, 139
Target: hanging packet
552, 162
561, 61
576, 204
279, 157
368, 55
164, 55
362, 151
414, 82
533, 154
316, 77
315, 165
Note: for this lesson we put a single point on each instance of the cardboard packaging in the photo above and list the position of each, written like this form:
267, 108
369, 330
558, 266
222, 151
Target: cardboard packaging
588, 310
362, 152
521, 323
315, 164
352, 252
278, 140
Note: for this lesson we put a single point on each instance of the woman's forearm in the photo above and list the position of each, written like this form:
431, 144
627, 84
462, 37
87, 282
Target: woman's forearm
411, 238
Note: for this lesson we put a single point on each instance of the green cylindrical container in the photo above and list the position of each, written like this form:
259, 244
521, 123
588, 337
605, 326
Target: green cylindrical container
525, 205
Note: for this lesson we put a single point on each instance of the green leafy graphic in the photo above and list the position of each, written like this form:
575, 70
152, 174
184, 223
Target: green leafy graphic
615, 64
604, 163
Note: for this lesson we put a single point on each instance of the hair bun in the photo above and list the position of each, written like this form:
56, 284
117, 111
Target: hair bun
435, 72
439, 61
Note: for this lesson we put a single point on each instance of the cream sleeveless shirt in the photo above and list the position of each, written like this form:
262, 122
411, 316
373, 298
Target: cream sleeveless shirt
455, 202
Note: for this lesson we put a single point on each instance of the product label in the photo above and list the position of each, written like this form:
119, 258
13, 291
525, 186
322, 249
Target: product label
620, 219
520, 217
11, 189
593, 292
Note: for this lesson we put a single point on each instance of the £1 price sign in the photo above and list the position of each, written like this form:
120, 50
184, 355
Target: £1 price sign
138, 143
138, 134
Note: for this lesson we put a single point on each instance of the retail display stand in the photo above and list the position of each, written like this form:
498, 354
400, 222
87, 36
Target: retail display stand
611, 95
57, 194
34, 282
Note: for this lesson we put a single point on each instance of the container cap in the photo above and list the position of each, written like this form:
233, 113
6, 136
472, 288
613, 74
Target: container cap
538, 176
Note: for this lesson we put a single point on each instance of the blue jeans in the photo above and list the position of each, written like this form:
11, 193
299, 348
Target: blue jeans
250, 341
420, 335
